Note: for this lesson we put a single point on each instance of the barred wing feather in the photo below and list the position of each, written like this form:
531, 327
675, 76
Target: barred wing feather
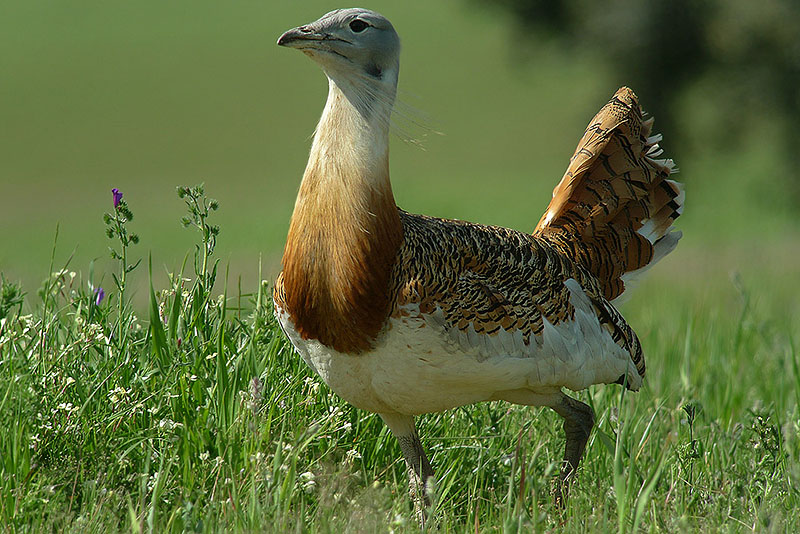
613, 210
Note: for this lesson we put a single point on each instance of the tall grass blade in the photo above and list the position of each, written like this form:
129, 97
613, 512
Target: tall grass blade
175, 311
159, 338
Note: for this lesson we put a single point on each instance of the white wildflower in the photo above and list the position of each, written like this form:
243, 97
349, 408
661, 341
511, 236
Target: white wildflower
308, 482
66, 407
27, 323
94, 333
168, 425
118, 394
351, 456
151, 482
311, 384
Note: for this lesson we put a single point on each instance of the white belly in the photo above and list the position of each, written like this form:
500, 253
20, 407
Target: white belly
416, 367
405, 373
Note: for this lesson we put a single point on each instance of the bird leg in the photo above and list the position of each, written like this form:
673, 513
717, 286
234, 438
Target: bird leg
417, 465
419, 469
578, 423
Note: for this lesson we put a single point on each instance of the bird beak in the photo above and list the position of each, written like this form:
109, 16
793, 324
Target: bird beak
300, 37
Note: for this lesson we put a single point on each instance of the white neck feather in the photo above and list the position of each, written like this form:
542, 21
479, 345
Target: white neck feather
352, 137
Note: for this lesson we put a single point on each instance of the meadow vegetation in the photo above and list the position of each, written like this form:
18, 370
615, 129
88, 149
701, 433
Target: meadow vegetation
198, 416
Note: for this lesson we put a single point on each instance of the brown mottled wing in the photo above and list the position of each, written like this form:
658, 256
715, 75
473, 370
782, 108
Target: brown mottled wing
615, 203
488, 282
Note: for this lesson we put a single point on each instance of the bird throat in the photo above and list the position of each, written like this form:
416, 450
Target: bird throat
345, 232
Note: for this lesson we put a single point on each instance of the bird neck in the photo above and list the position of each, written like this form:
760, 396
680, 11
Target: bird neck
351, 142
345, 230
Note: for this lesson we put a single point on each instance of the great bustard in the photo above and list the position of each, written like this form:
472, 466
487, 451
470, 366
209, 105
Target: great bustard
403, 314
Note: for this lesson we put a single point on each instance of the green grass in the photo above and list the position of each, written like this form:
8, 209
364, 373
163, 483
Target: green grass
197, 416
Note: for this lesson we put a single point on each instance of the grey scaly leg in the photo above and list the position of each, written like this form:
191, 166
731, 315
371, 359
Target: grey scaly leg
578, 423
418, 467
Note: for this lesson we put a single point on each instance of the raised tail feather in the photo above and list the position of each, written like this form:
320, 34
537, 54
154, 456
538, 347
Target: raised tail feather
613, 210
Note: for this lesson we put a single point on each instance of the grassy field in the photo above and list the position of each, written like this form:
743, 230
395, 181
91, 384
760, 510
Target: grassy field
175, 405
196, 416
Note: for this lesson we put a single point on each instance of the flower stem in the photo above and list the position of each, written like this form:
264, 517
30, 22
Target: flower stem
123, 274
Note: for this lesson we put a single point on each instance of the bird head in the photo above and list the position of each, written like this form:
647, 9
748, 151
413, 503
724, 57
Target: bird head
353, 46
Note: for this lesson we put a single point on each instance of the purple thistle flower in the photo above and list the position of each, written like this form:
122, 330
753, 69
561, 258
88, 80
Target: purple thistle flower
99, 295
117, 196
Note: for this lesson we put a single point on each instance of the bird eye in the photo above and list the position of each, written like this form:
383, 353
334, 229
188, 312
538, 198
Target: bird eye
358, 25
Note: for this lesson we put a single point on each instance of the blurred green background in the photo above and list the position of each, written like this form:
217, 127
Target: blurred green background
150, 95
